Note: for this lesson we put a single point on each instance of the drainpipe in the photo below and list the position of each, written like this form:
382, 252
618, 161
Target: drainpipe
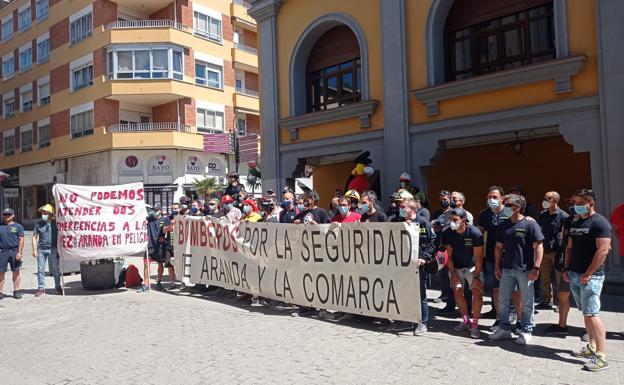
178, 111
175, 11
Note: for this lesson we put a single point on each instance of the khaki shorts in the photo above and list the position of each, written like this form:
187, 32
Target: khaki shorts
465, 276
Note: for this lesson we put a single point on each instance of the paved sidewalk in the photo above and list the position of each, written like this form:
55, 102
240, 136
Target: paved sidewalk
124, 337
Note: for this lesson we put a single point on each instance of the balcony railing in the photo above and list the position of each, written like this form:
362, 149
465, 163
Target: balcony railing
246, 48
243, 91
243, 3
130, 24
149, 127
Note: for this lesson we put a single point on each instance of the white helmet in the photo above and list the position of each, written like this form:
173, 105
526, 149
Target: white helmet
405, 176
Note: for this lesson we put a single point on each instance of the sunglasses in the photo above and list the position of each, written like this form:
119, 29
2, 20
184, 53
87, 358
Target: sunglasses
511, 205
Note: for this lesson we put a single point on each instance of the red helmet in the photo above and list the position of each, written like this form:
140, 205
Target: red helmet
227, 199
252, 204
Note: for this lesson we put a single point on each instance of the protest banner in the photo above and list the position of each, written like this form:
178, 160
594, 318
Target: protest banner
360, 268
100, 221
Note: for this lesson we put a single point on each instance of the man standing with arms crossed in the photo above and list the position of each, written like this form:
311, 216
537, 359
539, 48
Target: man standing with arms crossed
588, 246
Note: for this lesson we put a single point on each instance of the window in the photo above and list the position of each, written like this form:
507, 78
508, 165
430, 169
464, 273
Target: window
80, 28
145, 63
26, 100
24, 20
207, 26
334, 71
42, 9
43, 51
43, 92
82, 124
209, 122
8, 68
43, 135
241, 124
476, 46
239, 81
7, 30
25, 60
26, 140
209, 75
9, 144
82, 77
9, 108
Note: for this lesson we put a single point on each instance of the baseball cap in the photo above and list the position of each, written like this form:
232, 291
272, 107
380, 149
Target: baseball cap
459, 212
8, 211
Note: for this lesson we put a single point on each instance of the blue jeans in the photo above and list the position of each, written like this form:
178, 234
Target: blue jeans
587, 297
511, 278
53, 260
424, 306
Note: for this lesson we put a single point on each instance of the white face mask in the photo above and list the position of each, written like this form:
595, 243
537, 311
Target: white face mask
454, 225
45, 217
546, 205
493, 203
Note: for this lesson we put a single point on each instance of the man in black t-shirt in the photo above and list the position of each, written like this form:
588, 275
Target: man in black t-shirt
464, 244
157, 227
518, 255
370, 213
587, 249
312, 214
289, 209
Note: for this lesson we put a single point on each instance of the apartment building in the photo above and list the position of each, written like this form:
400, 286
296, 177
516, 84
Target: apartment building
108, 92
461, 94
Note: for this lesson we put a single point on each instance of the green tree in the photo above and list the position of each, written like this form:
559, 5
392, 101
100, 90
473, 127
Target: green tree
206, 187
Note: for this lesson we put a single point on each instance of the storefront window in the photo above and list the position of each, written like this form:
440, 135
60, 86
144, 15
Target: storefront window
28, 195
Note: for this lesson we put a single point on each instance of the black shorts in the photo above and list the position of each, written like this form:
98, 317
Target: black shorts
162, 255
7, 257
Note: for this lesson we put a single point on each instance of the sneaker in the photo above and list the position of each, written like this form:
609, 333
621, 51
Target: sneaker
584, 336
495, 326
556, 329
58, 291
255, 302
516, 327
40, 293
462, 326
474, 331
420, 330
500, 334
171, 286
597, 363
17, 294
159, 286
586, 352
523, 338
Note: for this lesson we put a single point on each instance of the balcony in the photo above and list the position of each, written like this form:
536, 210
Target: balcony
150, 31
246, 48
150, 127
247, 100
134, 24
238, 10
148, 7
245, 60
148, 92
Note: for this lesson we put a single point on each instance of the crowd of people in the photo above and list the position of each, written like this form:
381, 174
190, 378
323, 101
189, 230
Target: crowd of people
521, 257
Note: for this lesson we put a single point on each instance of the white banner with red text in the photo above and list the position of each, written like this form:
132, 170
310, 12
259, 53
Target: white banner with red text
100, 221
361, 268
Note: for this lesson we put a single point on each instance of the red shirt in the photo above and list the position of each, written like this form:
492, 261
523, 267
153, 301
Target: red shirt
617, 220
351, 217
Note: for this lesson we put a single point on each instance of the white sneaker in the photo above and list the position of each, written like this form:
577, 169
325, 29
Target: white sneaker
474, 331
500, 334
461, 326
523, 338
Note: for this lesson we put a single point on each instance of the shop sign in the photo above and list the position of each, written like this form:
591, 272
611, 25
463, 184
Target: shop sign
131, 166
11, 192
160, 165
194, 165
215, 167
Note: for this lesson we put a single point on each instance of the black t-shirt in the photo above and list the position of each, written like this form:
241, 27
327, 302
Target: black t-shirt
552, 226
10, 235
517, 239
377, 216
490, 221
155, 229
463, 245
289, 216
583, 233
318, 215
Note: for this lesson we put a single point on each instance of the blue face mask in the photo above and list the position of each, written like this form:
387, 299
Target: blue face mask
402, 213
246, 209
343, 210
581, 209
493, 203
174, 213
285, 204
229, 206
301, 207
194, 210
365, 207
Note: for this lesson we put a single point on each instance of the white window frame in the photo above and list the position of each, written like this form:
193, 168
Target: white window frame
7, 23
24, 17
81, 25
239, 76
5, 135
26, 129
83, 113
207, 108
85, 74
42, 10
114, 72
25, 58
24, 90
208, 16
241, 117
202, 79
43, 41
41, 125
11, 68
5, 102
43, 82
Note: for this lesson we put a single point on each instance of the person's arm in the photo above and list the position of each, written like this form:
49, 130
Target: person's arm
35, 241
20, 248
538, 248
451, 266
478, 253
498, 255
603, 245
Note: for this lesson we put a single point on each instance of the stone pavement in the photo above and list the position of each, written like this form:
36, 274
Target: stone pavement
124, 337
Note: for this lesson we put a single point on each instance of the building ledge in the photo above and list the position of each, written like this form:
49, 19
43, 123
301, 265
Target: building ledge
363, 110
560, 71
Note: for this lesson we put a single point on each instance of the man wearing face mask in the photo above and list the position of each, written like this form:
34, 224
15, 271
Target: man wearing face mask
214, 209
234, 187
44, 248
289, 210
250, 211
185, 204
551, 220
518, 256
11, 248
464, 244
458, 200
489, 220
585, 255
405, 181
370, 212
157, 226
440, 223
312, 214
333, 207
196, 209
233, 214
345, 215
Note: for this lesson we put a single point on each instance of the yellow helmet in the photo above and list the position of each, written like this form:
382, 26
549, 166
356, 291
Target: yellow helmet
47, 207
352, 194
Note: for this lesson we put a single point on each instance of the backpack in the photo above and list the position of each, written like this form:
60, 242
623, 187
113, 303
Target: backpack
133, 278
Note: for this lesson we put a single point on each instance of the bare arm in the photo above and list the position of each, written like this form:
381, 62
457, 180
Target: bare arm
498, 255
539, 252
35, 240
478, 253
603, 245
